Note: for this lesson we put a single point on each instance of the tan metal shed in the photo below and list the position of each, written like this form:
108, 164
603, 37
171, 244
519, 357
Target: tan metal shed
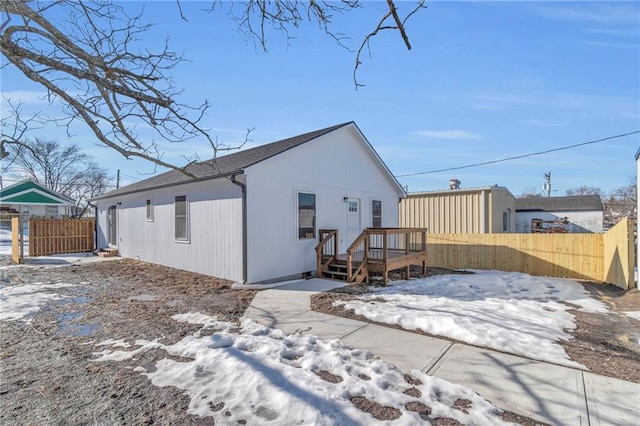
489, 209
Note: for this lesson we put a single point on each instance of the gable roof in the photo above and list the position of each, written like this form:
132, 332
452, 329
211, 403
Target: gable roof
559, 204
30, 192
231, 164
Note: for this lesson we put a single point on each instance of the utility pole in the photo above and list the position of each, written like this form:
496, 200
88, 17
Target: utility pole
118, 179
547, 185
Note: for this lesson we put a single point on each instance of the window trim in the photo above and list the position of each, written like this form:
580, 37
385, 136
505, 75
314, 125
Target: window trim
48, 209
149, 209
315, 216
187, 238
374, 216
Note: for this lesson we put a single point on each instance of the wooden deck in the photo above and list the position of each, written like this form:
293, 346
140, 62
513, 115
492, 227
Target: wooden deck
375, 250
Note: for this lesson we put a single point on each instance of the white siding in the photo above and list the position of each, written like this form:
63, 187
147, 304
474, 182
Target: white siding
215, 228
333, 166
579, 222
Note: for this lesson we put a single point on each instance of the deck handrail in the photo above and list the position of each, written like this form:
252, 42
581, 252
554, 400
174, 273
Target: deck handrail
400, 241
325, 236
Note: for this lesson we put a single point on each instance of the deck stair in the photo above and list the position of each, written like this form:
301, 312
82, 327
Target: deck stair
108, 252
337, 270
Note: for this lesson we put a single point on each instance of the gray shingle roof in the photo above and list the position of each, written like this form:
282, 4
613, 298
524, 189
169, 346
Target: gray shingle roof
224, 166
558, 204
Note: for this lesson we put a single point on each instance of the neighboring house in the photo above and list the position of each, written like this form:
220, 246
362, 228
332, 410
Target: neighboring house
254, 215
637, 216
615, 211
460, 211
30, 199
584, 213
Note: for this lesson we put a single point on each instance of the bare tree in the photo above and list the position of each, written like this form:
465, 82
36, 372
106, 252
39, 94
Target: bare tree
626, 198
585, 190
86, 55
257, 17
63, 169
529, 193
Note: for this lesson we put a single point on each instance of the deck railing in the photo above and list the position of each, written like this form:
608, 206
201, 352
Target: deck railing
375, 249
327, 248
357, 256
386, 249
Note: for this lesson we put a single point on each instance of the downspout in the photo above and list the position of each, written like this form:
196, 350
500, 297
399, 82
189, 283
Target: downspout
95, 226
244, 226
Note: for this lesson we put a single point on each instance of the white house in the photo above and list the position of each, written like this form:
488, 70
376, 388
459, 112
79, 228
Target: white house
254, 215
585, 213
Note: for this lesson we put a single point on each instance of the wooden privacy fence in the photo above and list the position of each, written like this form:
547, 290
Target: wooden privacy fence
60, 236
605, 257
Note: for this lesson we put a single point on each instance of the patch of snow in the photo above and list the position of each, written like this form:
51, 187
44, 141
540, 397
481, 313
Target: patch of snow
21, 302
114, 343
143, 298
633, 314
266, 377
507, 311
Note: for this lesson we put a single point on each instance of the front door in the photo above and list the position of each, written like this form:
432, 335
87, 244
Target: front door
113, 226
354, 227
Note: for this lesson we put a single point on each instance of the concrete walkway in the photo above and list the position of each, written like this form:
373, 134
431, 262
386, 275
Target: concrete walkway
545, 392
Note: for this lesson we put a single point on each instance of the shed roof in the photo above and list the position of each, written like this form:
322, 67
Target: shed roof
559, 204
230, 164
29, 192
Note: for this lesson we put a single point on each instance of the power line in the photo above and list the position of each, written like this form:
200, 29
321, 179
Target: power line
520, 156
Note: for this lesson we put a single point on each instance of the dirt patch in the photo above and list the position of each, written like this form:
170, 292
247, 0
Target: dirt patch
607, 344
46, 369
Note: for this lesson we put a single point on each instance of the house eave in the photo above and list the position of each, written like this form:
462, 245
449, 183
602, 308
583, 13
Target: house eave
168, 185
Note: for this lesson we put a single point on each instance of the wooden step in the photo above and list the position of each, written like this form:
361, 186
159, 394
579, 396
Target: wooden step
108, 252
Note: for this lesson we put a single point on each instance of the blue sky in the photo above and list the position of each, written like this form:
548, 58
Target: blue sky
484, 81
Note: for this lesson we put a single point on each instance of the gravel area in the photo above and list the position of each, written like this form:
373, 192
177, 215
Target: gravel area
47, 377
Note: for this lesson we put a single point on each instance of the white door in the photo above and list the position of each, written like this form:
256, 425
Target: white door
354, 225
113, 226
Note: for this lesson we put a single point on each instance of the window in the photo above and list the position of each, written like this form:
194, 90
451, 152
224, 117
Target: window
149, 211
181, 218
306, 216
376, 214
51, 211
353, 206
505, 222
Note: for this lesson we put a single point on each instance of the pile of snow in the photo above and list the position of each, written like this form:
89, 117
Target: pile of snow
5, 242
507, 311
265, 377
5, 236
21, 302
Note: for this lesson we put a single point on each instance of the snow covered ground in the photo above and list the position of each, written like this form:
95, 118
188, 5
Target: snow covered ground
255, 373
508, 311
5, 242
265, 377
22, 302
